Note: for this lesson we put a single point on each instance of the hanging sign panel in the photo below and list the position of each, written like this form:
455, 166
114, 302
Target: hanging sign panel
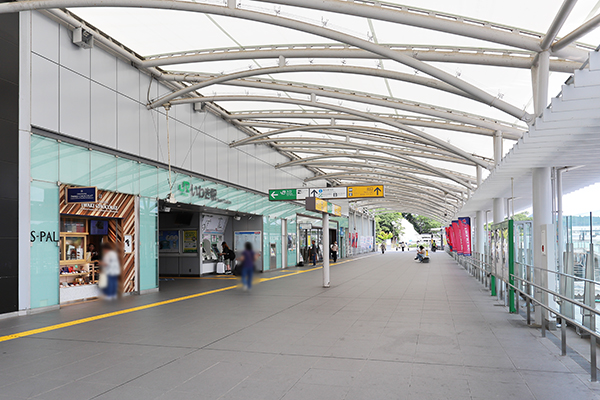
366, 191
320, 205
338, 192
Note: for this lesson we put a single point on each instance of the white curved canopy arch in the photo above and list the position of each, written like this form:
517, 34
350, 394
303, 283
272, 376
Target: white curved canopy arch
415, 153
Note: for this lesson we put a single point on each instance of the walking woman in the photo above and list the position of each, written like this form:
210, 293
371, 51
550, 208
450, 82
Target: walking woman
111, 267
247, 260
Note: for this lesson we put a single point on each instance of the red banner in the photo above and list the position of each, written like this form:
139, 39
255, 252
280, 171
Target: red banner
456, 241
465, 234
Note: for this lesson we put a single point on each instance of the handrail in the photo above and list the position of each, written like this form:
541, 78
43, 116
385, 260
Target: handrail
560, 273
552, 292
530, 299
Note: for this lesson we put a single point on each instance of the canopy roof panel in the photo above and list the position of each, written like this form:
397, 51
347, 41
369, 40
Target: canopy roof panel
408, 93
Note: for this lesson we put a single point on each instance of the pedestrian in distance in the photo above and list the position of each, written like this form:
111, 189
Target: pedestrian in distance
382, 247
313, 252
334, 251
403, 246
247, 261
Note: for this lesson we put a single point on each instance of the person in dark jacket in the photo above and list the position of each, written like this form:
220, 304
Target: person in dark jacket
247, 260
313, 252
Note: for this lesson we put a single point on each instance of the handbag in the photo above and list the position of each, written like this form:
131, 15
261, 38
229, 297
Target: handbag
102, 281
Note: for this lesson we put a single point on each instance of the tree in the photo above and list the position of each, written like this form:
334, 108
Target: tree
524, 216
390, 224
421, 223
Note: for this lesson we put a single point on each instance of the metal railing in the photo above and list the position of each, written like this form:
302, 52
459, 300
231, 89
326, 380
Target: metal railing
478, 265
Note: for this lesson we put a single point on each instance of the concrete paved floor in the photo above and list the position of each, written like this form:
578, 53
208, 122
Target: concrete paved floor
388, 328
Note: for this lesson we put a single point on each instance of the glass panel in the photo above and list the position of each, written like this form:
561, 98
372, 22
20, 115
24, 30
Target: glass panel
74, 165
74, 248
148, 244
292, 242
104, 171
44, 249
128, 176
44, 158
163, 182
73, 225
148, 181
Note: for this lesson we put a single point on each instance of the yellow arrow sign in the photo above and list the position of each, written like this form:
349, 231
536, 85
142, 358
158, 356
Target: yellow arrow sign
366, 191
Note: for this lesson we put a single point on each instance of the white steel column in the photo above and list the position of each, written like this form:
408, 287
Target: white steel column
480, 224
540, 73
542, 215
498, 210
326, 250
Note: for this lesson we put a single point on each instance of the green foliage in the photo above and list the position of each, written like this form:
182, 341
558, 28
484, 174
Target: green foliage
421, 224
382, 236
389, 224
524, 216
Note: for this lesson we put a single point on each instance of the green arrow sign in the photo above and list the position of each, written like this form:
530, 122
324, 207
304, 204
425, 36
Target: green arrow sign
282, 194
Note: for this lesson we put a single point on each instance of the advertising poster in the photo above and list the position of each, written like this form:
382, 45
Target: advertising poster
448, 238
465, 233
291, 241
190, 241
168, 241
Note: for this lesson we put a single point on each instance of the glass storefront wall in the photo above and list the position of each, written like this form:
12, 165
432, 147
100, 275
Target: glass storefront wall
54, 162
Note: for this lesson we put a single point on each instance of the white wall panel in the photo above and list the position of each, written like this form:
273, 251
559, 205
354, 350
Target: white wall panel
182, 146
198, 120
74, 105
242, 159
104, 68
128, 80
44, 36
113, 114
104, 116
44, 93
197, 156
233, 168
148, 133
128, 126
223, 161
72, 56
210, 156
162, 137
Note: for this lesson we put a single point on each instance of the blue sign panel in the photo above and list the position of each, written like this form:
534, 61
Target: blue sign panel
82, 194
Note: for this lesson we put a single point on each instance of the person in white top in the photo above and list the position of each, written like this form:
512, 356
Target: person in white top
334, 251
111, 267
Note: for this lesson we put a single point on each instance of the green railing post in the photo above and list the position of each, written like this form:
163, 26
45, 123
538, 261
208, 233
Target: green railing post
511, 265
493, 285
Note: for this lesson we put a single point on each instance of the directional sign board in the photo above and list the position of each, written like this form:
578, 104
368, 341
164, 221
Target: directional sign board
282, 194
339, 192
320, 205
365, 191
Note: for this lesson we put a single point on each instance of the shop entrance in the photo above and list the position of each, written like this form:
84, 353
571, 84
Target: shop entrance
84, 228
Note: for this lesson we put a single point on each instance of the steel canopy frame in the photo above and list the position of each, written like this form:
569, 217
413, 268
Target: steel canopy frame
437, 21
306, 103
512, 131
232, 11
376, 72
324, 156
460, 55
242, 118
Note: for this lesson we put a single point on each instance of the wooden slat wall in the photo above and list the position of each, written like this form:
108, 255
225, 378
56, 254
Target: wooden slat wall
116, 231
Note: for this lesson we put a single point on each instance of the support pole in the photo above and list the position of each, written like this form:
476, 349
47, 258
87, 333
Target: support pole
540, 75
542, 215
326, 281
497, 147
